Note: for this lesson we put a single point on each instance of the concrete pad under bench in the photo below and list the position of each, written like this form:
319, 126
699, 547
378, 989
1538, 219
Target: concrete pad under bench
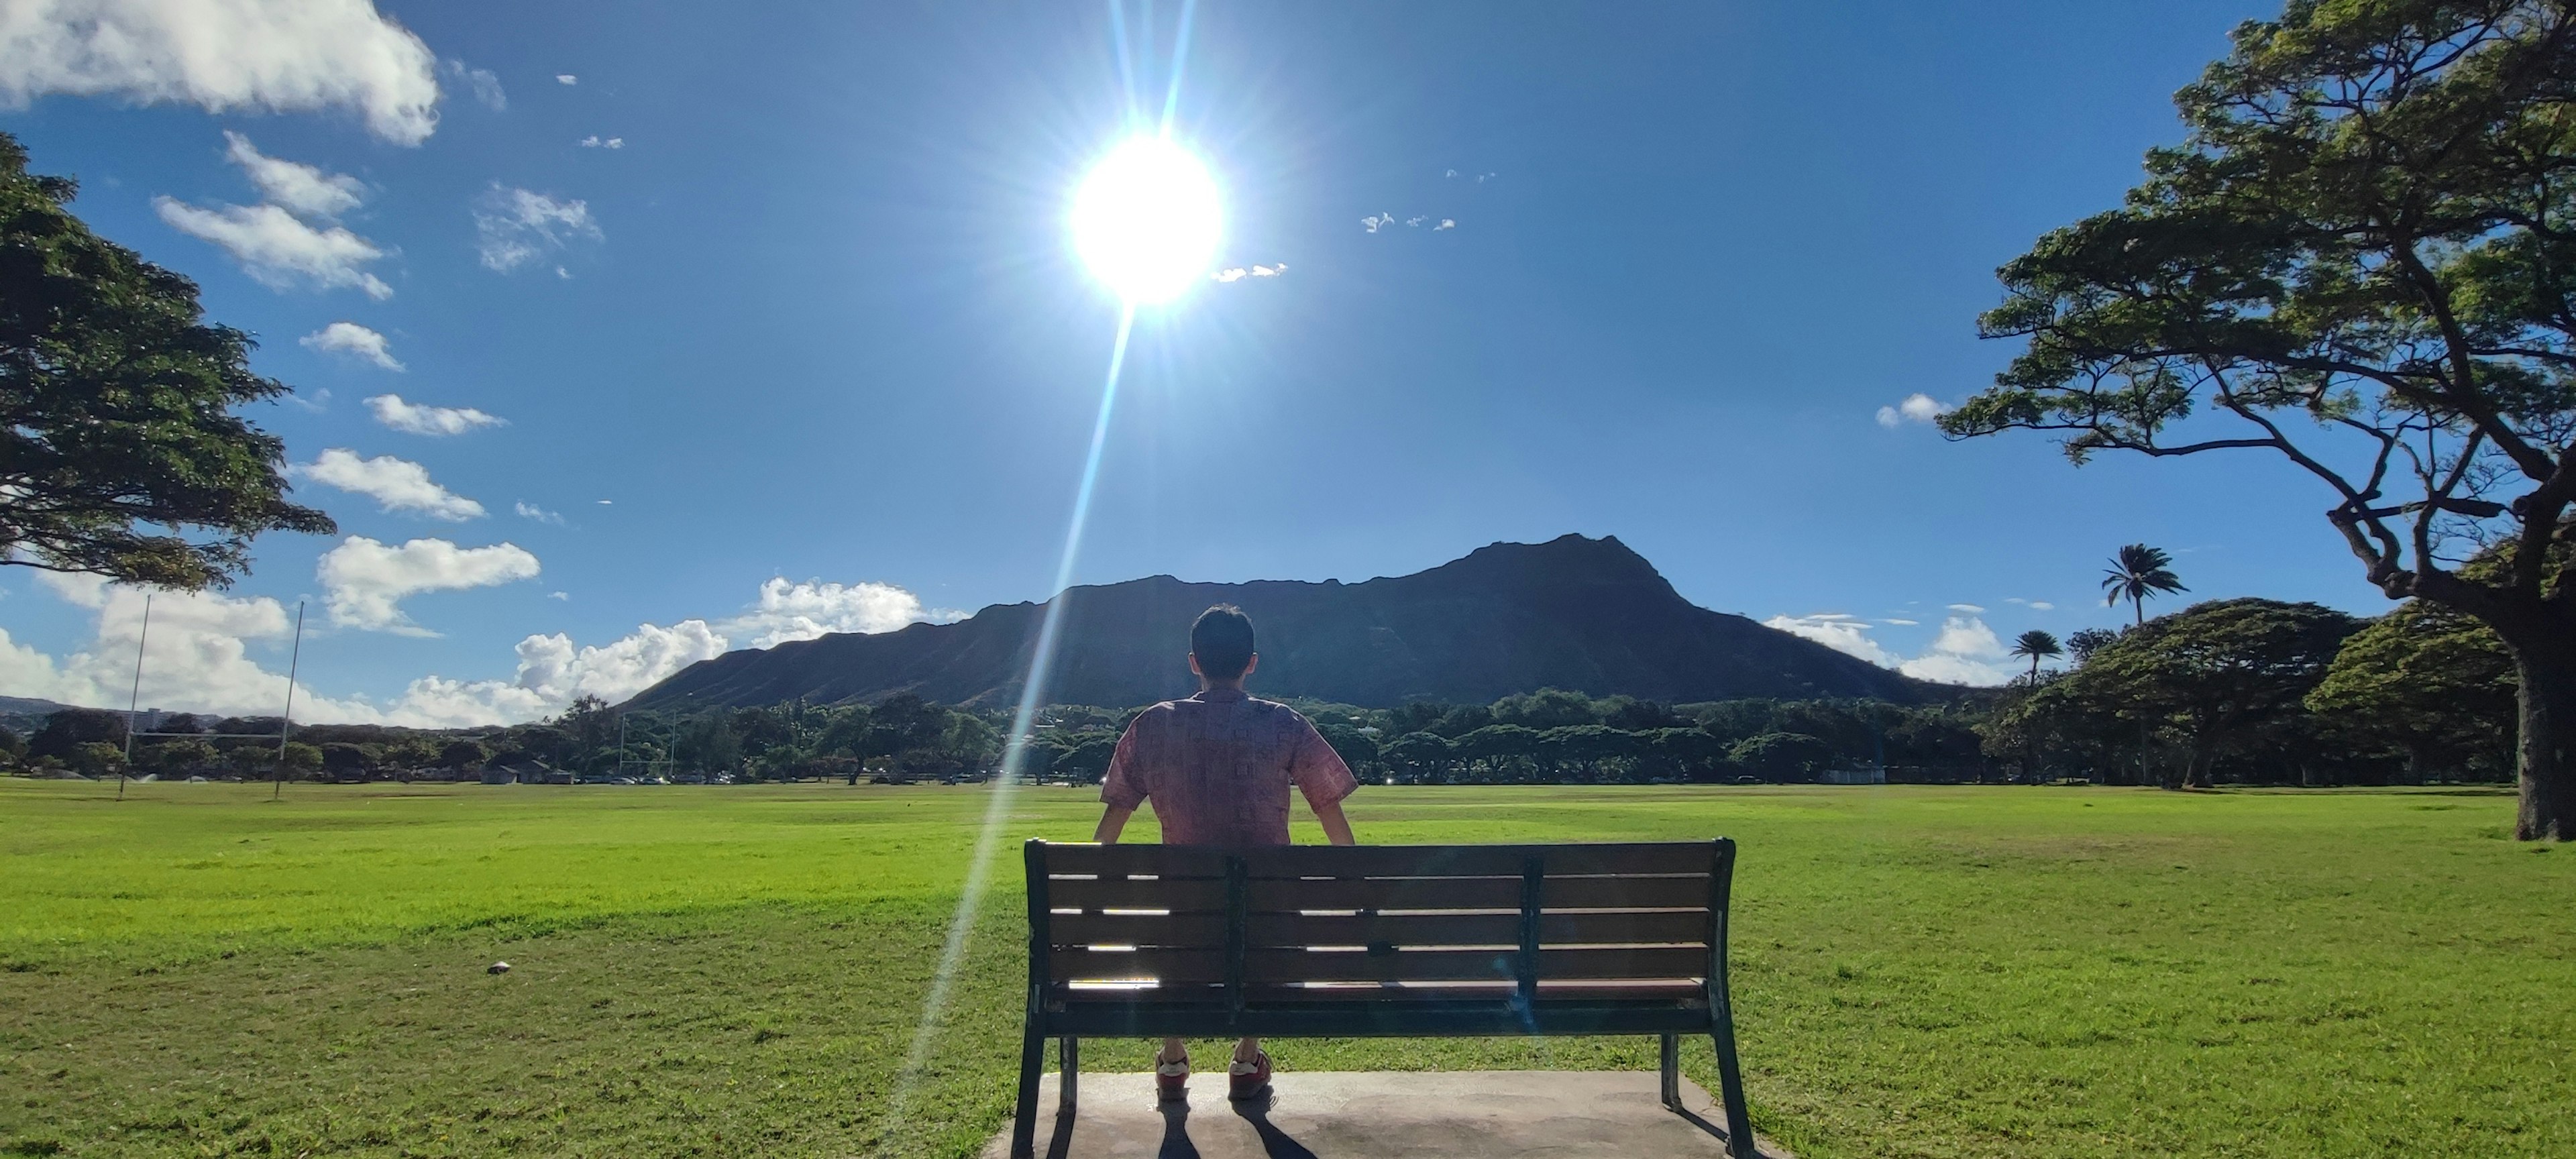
1385, 1115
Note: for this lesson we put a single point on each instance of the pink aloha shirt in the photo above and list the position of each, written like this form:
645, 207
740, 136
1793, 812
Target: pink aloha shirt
1218, 766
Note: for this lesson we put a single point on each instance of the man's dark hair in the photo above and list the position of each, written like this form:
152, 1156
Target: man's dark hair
1222, 640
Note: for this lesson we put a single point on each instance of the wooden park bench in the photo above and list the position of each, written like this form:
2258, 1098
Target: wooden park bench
1387, 941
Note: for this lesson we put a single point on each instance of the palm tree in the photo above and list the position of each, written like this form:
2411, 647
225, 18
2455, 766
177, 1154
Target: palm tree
2037, 645
2137, 572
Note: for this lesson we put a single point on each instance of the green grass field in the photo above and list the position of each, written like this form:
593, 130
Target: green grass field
740, 971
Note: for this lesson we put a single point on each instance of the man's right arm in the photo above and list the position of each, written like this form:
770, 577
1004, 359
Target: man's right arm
1337, 828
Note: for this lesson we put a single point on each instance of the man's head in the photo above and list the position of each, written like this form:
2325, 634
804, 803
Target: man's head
1221, 644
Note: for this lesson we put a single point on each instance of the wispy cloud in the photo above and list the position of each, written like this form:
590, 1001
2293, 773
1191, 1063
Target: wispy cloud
1238, 273
482, 82
303, 189
529, 510
1971, 609
1377, 221
565, 78
352, 339
595, 142
514, 226
279, 251
395, 484
417, 419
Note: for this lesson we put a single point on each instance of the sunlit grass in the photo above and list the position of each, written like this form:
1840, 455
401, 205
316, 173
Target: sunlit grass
2030, 972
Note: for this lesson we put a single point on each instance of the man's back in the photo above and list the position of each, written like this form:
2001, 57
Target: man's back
1218, 767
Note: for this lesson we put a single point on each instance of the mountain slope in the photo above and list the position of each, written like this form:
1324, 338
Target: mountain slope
1575, 613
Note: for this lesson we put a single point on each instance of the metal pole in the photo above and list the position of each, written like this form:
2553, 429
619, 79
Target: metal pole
286, 723
134, 698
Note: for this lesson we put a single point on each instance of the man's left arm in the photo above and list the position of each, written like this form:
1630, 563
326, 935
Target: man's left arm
1325, 780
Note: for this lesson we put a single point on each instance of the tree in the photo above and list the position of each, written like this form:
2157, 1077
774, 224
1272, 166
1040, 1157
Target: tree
2139, 571
2087, 641
1783, 756
299, 758
69, 728
117, 431
2432, 681
2223, 677
2037, 645
2356, 261
95, 758
462, 754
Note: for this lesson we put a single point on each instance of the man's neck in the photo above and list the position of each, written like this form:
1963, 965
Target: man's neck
1207, 685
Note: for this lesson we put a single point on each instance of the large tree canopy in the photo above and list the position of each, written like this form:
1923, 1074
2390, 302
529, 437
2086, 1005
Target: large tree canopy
2362, 259
120, 452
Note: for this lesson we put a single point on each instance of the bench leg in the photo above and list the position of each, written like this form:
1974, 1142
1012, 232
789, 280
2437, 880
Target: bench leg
1069, 1053
1024, 1128
1730, 1085
1672, 1088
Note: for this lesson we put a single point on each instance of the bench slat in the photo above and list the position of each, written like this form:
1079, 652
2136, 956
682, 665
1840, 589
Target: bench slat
1496, 929
1169, 966
1274, 966
1456, 893
1171, 893
1288, 861
1191, 930
1125, 860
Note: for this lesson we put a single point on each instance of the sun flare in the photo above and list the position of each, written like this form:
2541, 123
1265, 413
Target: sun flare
1147, 220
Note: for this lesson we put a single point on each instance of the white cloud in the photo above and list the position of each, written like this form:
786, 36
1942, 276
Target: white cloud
278, 250
303, 189
1900, 622
2042, 606
1445, 223
222, 55
364, 582
352, 339
1917, 408
594, 142
529, 510
1969, 608
565, 78
1415, 221
1964, 651
559, 595
395, 484
513, 226
482, 82
1238, 273
804, 611
1376, 222
417, 419
198, 659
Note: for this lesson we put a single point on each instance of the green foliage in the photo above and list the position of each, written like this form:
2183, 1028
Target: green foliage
2429, 680
1782, 756
2136, 573
70, 728
117, 431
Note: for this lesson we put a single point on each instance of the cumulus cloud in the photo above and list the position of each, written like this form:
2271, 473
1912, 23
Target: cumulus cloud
302, 189
395, 484
418, 419
277, 249
1445, 223
804, 611
273, 55
352, 339
482, 82
1917, 408
1965, 651
200, 657
565, 78
595, 142
364, 582
529, 510
1377, 221
514, 226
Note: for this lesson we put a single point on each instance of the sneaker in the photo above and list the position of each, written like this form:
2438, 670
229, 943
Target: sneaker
1172, 1080
1248, 1080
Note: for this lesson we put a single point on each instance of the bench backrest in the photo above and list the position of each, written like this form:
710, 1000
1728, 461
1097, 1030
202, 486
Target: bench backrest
1126, 923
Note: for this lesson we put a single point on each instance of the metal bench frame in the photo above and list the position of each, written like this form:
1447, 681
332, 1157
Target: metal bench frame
1524, 1010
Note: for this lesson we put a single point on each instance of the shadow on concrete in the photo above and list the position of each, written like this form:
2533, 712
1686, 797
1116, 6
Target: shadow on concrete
1275, 1143
1176, 1132
1695, 1119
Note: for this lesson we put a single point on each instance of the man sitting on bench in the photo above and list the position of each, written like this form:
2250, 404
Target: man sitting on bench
1217, 767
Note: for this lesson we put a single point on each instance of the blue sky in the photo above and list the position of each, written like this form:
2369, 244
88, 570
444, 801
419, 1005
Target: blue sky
777, 328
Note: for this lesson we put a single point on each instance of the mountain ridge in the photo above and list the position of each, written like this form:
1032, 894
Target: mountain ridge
1590, 615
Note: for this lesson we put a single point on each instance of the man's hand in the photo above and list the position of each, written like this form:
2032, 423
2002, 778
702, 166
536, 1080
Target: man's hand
1113, 819
1337, 828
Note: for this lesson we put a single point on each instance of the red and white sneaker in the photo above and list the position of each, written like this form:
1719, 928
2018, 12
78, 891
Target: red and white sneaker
1248, 1080
1172, 1080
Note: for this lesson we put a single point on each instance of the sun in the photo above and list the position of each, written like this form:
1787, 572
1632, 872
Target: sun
1147, 220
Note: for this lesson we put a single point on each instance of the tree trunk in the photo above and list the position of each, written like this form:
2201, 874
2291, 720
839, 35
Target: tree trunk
2548, 738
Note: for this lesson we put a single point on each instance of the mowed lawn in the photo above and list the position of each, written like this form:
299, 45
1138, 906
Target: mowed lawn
741, 971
